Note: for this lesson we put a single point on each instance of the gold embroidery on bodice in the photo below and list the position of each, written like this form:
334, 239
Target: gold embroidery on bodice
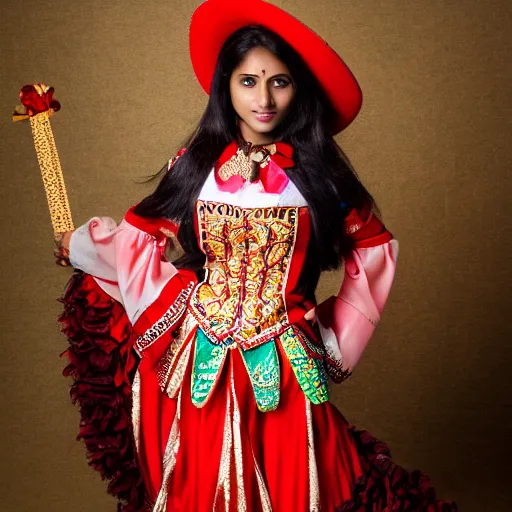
248, 252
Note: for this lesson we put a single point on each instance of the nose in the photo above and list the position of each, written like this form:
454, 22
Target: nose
265, 99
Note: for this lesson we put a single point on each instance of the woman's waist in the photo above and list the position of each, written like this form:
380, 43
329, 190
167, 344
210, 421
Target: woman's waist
250, 324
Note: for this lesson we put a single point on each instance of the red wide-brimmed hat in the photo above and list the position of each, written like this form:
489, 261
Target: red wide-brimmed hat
215, 20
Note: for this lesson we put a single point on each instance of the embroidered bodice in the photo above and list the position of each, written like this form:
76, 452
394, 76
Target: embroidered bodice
248, 253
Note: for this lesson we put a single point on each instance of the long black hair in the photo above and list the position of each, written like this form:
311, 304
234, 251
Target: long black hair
322, 172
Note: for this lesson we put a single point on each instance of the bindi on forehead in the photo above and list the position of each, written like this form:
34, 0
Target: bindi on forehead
263, 72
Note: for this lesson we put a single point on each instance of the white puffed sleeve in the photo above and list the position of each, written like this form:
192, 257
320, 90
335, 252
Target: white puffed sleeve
127, 261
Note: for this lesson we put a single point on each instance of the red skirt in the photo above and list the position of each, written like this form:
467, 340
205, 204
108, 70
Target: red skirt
227, 455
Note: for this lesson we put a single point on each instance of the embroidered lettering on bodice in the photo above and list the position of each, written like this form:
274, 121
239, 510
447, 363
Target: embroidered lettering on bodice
248, 252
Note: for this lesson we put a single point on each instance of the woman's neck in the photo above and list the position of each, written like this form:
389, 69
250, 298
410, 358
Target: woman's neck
256, 139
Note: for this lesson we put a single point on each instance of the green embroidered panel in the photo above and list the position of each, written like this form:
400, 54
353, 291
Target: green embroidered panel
208, 361
262, 365
310, 372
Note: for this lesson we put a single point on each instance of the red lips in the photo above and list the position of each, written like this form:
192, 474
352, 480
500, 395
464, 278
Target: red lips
265, 117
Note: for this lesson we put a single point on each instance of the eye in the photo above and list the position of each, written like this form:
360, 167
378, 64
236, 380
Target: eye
281, 83
248, 81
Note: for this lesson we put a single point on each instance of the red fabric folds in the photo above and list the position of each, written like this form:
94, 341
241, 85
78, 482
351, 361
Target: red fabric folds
102, 363
355, 470
387, 487
38, 98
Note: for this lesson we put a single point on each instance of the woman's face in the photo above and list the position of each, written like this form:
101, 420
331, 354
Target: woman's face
261, 93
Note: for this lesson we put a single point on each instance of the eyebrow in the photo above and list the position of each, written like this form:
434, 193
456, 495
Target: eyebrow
269, 78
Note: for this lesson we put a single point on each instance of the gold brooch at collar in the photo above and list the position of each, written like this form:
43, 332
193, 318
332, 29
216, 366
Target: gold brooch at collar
247, 162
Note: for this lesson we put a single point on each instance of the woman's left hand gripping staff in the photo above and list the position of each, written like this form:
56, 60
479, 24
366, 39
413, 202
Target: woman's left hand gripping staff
61, 251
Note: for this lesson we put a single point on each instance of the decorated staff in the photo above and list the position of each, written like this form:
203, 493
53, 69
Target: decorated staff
38, 105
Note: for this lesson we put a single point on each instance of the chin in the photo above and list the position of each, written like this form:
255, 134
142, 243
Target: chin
264, 127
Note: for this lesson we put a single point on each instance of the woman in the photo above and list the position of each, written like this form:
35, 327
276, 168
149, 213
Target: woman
231, 405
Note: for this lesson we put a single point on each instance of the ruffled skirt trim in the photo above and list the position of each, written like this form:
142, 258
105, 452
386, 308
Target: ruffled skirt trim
102, 363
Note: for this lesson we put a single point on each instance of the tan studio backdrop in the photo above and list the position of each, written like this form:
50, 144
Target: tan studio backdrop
432, 144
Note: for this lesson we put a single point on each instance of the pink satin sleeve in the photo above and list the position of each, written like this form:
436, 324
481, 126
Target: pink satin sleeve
127, 262
347, 321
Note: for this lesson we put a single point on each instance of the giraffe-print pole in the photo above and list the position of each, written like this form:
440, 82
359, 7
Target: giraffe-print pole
51, 172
